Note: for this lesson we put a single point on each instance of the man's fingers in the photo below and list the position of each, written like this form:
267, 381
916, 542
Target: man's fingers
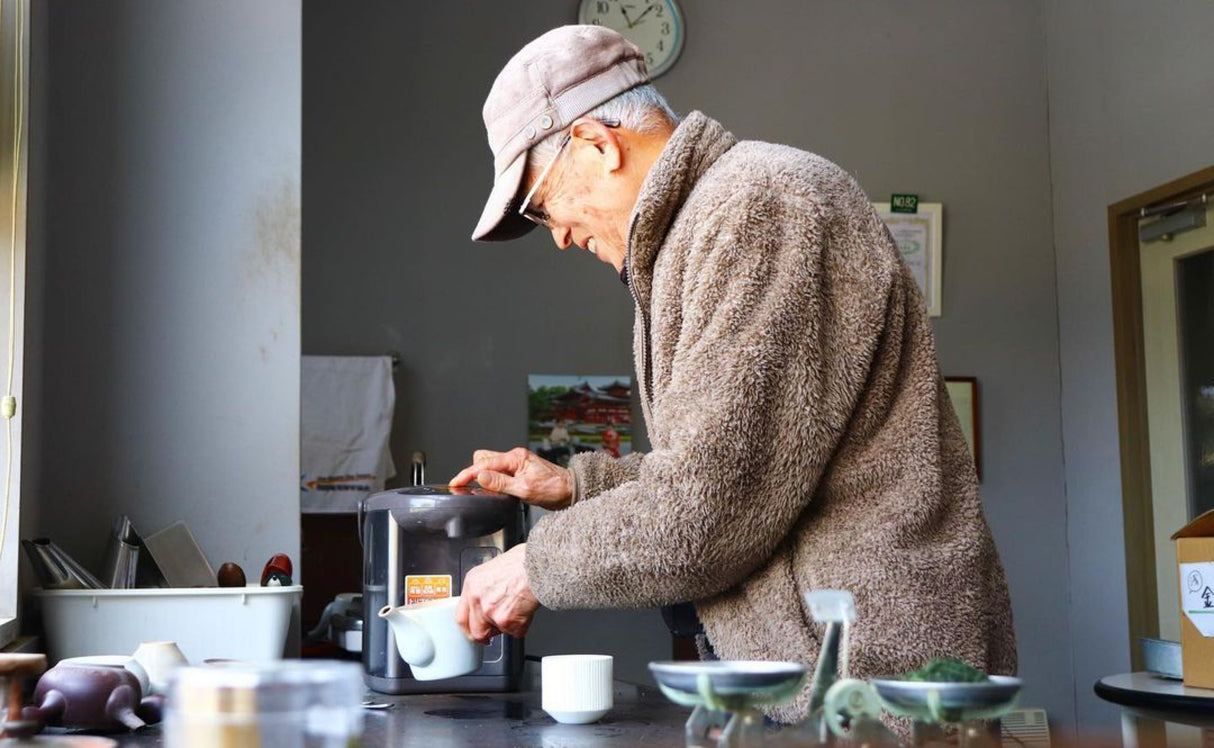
512, 457
480, 627
464, 476
512, 625
495, 481
485, 460
501, 463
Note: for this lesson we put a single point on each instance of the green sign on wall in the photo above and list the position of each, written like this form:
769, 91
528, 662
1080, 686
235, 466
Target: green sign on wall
904, 203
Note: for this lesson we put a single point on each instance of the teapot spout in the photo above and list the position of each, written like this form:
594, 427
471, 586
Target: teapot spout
414, 644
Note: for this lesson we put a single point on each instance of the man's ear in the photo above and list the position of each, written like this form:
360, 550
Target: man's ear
604, 139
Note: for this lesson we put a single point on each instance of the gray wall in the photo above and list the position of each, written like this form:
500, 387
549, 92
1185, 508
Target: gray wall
945, 99
167, 174
1131, 107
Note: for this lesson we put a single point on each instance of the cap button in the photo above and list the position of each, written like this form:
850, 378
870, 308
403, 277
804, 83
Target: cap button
545, 122
530, 132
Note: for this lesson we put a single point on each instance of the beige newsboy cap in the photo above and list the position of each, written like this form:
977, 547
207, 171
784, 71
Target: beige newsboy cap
546, 86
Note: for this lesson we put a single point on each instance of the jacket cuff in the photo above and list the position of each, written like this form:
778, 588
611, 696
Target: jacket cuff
575, 484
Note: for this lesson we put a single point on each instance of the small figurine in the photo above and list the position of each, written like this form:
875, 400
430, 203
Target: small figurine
277, 571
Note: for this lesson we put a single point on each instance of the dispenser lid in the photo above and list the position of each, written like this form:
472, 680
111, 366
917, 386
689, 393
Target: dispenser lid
421, 498
455, 512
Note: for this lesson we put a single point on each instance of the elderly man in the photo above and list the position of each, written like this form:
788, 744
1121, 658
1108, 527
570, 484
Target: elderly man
802, 436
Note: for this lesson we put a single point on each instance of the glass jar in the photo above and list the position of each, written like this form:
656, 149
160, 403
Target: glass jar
309, 704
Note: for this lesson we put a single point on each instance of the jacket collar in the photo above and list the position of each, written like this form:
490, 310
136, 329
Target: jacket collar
693, 147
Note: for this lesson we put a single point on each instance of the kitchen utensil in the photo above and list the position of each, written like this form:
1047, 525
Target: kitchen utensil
430, 640
576, 689
55, 569
727, 695
89, 697
159, 659
948, 703
124, 661
850, 711
122, 556
179, 557
419, 543
290, 703
967, 705
751, 681
836, 611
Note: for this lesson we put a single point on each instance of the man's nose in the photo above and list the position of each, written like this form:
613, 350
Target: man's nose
562, 236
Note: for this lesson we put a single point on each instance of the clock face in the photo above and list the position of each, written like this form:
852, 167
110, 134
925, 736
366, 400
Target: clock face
656, 26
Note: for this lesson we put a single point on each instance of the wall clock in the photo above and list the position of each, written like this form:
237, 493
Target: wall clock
655, 26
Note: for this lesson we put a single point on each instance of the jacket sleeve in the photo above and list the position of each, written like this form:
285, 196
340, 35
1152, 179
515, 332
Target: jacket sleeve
594, 473
778, 329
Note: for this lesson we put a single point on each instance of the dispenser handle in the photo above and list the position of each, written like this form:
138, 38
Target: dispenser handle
359, 517
419, 468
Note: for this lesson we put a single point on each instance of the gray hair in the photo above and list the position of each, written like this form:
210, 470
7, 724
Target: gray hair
642, 109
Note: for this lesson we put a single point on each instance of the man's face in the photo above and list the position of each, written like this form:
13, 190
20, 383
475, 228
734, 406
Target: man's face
587, 194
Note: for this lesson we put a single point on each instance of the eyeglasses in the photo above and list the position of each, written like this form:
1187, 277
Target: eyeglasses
539, 216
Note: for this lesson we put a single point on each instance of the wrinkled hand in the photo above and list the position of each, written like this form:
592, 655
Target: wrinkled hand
520, 473
496, 597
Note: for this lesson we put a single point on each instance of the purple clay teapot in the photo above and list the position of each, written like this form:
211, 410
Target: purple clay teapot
92, 697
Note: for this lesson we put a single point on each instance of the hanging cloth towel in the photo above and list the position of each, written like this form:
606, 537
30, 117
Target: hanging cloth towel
346, 419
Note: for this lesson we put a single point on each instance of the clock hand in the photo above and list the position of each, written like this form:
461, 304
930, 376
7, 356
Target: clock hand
626, 19
638, 20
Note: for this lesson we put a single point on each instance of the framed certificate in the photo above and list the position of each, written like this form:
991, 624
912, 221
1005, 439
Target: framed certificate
919, 238
963, 392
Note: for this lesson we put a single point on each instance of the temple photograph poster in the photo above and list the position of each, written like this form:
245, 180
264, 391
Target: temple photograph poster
568, 414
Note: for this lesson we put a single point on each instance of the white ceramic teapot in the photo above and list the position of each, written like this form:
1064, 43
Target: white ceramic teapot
431, 642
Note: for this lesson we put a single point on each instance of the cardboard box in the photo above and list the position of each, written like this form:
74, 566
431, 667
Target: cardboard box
1195, 560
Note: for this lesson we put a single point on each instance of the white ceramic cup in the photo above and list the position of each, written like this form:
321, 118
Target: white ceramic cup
576, 689
123, 661
159, 659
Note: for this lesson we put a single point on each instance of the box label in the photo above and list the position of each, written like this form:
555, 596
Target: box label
1197, 595
422, 587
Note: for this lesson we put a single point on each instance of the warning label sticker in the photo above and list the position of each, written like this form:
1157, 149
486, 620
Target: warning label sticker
1196, 595
420, 588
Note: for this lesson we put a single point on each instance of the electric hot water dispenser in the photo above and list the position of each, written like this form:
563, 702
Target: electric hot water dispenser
418, 543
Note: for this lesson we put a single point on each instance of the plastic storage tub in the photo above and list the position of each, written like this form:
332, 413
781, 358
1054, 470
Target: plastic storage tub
248, 623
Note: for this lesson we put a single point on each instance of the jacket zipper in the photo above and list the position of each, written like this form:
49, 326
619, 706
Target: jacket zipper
648, 366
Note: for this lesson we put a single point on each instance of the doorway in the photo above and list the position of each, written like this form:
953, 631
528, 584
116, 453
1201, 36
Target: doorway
1177, 301
1162, 263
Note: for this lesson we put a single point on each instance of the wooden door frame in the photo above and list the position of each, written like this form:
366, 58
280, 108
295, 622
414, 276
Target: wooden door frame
1137, 511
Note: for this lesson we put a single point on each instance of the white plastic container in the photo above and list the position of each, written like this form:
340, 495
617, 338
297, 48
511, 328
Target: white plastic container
248, 623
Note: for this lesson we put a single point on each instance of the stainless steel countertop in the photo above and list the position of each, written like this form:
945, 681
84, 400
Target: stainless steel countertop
642, 716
